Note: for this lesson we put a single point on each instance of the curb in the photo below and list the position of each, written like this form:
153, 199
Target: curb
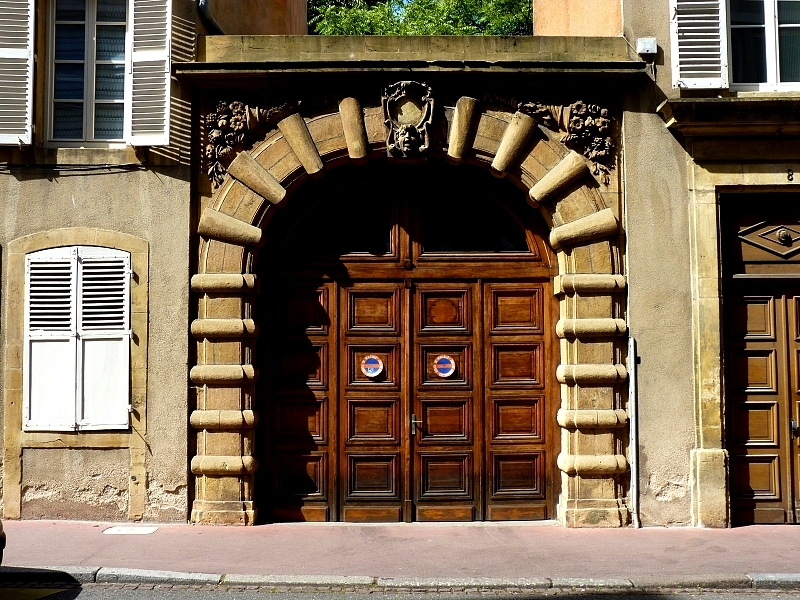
81, 574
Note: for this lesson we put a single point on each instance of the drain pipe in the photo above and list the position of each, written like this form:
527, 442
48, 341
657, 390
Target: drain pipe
633, 425
208, 19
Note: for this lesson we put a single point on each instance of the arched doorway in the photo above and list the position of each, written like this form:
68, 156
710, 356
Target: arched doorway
408, 371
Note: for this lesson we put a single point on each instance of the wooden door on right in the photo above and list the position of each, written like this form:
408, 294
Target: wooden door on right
764, 350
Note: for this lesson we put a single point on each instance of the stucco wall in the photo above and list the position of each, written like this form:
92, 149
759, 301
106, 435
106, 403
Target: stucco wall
659, 283
577, 17
260, 17
153, 205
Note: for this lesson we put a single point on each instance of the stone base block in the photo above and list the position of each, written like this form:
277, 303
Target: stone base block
209, 512
593, 513
709, 482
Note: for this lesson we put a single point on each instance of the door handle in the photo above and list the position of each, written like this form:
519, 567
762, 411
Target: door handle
793, 429
414, 424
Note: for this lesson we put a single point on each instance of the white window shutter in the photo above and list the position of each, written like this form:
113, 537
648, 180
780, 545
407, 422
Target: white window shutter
147, 85
104, 338
50, 353
16, 71
699, 36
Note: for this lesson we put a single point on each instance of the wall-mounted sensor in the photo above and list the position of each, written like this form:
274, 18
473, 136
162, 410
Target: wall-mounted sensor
646, 45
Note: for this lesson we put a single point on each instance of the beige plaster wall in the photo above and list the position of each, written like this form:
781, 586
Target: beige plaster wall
659, 283
260, 17
153, 205
577, 17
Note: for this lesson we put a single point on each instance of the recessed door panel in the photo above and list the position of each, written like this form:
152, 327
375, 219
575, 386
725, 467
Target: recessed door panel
515, 309
373, 420
517, 419
373, 312
445, 476
517, 475
517, 365
373, 477
443, 311
445, 421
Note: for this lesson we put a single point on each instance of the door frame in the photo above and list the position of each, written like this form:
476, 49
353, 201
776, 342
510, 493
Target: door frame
580, 204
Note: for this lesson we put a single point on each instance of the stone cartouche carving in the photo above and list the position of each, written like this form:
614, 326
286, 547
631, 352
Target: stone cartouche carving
408, 112
229, 130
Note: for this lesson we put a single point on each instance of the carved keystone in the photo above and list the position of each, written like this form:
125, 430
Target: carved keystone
246, 169
355, 133
588, 328
295, 132
591, 227
588, 466
224, 465
513, 143
219, 226
222, 374
596, 375
571, 168
461, 129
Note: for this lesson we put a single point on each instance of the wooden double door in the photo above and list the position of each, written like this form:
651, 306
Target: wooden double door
764, 400
413, 399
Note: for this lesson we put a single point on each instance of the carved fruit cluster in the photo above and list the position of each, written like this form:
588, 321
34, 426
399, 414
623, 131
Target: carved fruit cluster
589, 130
226, 130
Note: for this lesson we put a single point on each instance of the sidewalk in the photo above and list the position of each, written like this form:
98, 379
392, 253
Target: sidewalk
430, 555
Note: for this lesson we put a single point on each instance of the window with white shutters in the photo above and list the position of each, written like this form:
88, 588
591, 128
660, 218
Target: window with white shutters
147, 91
16, 71
77, 339
699, 43
108, 72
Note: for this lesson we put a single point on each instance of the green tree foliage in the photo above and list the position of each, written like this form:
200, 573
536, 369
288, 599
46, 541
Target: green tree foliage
421, 17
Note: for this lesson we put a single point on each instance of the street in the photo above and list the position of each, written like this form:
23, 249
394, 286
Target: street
184, 592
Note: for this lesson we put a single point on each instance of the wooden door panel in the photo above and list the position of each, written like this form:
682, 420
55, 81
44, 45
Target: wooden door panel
755, 424
373, 420
754, 318
301, 420
444, 311
756, 477
517, 420
301, 476
755, 371
517, 475
515, 309
445, 476
445, 421
305, 311
373, 477
517, 365
428, 377
373, 312
305, 366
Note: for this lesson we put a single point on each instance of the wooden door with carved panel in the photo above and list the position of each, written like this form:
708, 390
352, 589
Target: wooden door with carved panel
412, 359
761, 301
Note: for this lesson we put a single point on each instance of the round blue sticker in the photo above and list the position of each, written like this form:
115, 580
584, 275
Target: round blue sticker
444, 365
371, 365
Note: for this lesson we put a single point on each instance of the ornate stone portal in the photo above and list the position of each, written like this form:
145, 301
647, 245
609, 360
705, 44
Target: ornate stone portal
552, 152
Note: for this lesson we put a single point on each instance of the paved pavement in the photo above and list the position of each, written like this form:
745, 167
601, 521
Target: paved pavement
406, 556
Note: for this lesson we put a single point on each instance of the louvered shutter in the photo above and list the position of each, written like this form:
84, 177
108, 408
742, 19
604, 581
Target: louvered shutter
147, 84
699, 32
50, 354
104, 333
16, 71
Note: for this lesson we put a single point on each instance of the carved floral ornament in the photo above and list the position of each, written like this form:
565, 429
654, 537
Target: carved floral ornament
408, 113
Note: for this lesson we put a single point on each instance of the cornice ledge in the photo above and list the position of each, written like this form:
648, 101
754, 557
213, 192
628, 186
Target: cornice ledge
732, 116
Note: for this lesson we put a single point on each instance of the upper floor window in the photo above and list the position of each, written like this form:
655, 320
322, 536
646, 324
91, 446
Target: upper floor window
88, 70
107, 67
744, 44
765, 43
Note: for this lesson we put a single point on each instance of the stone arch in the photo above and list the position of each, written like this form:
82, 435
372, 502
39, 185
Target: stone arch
581, 212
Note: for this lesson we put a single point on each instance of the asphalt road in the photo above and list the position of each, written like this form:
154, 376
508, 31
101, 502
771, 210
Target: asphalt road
121, 592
